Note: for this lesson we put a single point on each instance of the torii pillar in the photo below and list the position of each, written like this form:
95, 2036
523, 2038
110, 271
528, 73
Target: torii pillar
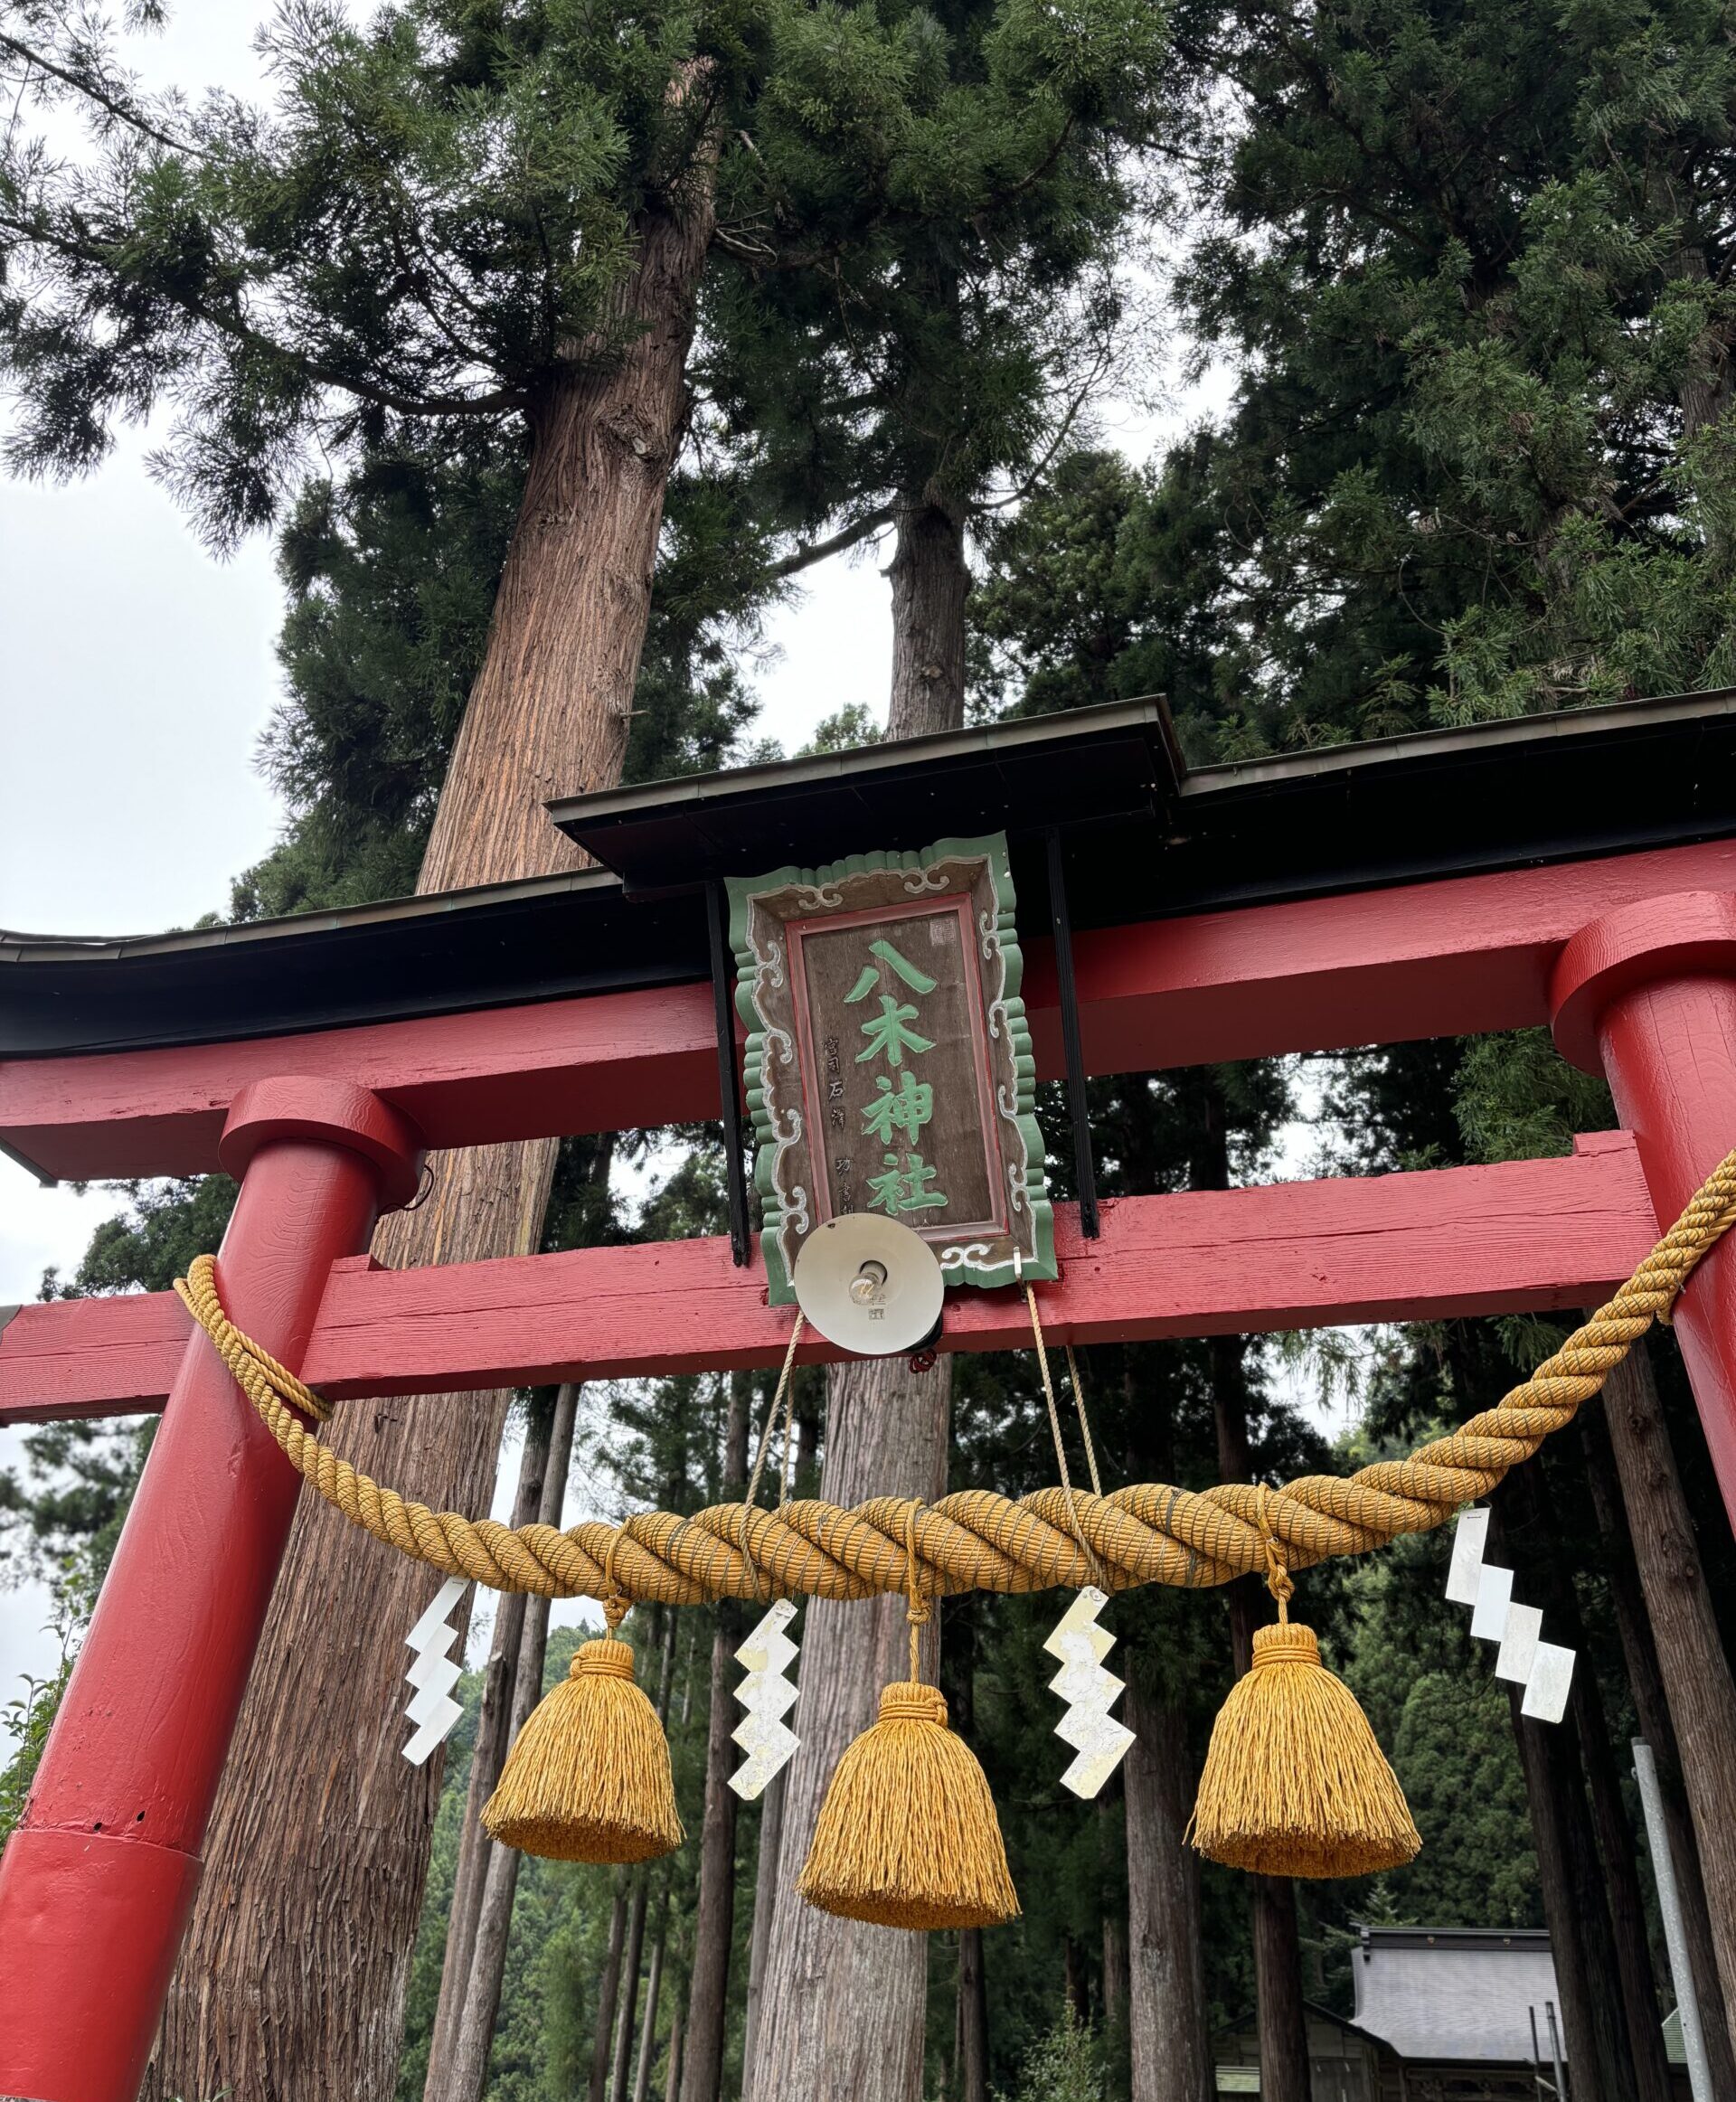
96, 1884
1647, 996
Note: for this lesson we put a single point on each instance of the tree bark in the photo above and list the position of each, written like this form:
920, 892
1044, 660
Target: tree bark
930, 583
473, 2032
678, 2037
1277, 1968
1171, 2042
629, 2011
653, 1993
1690, 1654
1277, 1952
714, 1916
291, 1983
1621, 1881
608, 1994
1582, 1938
1118, 1983
970, 1982
766, 1883
971, 2018
1547, 1584
485, 1762
1652, 1706
842, 2011
1572, 1901
841, 2016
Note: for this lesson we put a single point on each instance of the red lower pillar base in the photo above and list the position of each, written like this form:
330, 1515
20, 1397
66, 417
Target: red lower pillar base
86, 1891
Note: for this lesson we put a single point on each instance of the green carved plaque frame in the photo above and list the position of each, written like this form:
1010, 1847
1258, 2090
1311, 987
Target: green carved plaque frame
784, 1078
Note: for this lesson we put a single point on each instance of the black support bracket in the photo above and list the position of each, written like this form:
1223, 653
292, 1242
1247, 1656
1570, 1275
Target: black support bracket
1061, 925
729, 1078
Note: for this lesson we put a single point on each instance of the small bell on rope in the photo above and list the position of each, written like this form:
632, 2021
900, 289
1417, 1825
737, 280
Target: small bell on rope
907, 1835
588, 1779
1293, 1783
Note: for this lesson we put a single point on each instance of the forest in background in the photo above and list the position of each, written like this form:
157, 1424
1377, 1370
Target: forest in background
1470, 268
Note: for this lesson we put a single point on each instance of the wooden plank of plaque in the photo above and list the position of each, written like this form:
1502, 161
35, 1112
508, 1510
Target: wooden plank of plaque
888, 1063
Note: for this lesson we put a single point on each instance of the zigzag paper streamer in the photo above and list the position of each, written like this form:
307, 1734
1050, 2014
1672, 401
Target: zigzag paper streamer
768, 1696
1545, 1669
1089, 1692
434, 1674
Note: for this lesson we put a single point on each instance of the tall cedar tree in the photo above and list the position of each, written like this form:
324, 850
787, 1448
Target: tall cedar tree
935, 361
458, 214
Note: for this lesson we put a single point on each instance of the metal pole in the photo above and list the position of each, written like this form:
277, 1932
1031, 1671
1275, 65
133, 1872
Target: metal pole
1675, 1936
1555, 2050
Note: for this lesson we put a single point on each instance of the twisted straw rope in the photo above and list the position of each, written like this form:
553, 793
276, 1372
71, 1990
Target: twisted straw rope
976, 1540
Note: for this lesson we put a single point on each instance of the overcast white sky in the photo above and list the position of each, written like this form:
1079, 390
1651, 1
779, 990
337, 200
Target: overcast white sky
137, 675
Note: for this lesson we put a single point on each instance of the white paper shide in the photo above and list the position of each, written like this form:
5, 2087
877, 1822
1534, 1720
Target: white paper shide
1089, 1692
1545, 1669
768, 1696
434, 1673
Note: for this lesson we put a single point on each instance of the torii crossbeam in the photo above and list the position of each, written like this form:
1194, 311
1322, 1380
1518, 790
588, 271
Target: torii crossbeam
1578, 871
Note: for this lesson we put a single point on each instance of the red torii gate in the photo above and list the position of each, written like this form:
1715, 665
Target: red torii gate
1630, 957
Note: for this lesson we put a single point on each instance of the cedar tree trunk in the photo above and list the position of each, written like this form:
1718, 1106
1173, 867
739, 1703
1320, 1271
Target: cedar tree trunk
607, 1993
1169, 2040
765, 1906
625, 2019
842, 2015
1544, 1582
292, 1980
1277, 1951
485, 1761
970, 1993
473, 2032
653, 1993
1639, 1651
677, 2037
1582, 1942
1690, 1654
970, 2036
715, 1919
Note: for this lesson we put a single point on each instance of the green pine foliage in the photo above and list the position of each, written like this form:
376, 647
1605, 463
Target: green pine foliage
968, 178
1469, 264
426, 224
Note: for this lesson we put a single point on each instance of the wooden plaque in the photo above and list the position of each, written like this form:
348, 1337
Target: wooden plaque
889, 1064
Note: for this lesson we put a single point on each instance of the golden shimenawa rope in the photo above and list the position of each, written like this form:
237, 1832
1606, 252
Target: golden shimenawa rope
1148, 1533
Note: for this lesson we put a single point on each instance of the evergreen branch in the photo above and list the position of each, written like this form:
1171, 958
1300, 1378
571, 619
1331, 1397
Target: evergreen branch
237, 330
816, 550
105, 99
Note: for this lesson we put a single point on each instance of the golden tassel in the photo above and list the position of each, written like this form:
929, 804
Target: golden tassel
906, 1835
1293, 1783
589, 1777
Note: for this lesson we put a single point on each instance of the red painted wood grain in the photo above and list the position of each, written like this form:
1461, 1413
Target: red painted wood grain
1375, 966
1526, 1237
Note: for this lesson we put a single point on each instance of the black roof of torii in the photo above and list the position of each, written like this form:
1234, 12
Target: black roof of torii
1144, 836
